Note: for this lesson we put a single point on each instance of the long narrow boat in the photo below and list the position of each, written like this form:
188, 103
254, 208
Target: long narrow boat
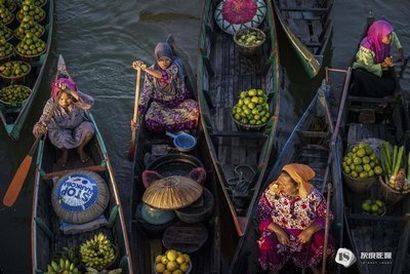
47, 241
223, 72
381, 243
14, 118
309, 27
310, 143
147, 239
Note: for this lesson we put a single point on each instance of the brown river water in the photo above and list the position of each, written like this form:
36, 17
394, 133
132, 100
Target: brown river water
99, 40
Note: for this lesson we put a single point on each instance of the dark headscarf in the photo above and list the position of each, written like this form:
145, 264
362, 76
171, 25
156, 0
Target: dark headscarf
373, 40
163, 50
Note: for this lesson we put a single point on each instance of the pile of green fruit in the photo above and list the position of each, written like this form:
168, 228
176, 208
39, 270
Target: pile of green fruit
31, 45
62, 267
373, 207
9, 4
38, 3
14, 69
97, 252
14, 94
252, 108
250, 37
5, 32
6, 49
38, 14
29, 25
5, 15
361, 162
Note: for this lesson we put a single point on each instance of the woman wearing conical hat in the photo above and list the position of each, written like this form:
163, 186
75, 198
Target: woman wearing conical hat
292, 217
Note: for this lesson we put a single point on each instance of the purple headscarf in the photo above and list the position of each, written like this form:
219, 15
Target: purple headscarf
56, 86
373, 40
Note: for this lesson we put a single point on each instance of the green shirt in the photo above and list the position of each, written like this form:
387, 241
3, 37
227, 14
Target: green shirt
365, 57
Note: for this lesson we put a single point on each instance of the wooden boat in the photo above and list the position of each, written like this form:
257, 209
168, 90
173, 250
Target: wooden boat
309, 27
389, 234
223, 72
14, 118
47, 240
213, 256
311, 142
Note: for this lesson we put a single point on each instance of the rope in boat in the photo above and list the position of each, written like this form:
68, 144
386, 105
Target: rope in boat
240, 185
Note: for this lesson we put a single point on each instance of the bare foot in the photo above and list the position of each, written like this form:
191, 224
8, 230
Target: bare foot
62, 161
83, 156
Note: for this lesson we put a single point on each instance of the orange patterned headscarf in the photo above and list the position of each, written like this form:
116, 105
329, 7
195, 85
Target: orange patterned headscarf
301, 174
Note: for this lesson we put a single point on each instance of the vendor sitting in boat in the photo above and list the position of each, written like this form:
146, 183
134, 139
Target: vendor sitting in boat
68, 127
292, 218
373, 74
165, 99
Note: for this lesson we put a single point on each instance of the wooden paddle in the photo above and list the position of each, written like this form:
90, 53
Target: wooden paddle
135, 118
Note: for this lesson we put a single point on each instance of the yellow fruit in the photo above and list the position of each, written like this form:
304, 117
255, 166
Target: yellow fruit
171, 266
164, 260
178, 271
187, 259
184, 267
167, 272
171, 255
160, 268
158, 259
180, 259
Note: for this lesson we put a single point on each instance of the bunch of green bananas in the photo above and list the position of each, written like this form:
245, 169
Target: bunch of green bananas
62, 267
97, 252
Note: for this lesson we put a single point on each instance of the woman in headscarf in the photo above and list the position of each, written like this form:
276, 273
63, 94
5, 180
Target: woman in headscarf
165, 100
373, 74
292, 218
64, 119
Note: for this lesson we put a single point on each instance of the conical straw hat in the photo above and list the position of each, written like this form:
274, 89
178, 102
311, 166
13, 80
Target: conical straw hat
172, 192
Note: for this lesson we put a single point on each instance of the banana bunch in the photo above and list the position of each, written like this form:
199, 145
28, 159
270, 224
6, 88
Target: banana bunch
62, 267
97, 252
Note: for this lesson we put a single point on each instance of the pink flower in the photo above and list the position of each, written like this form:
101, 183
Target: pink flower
239, 11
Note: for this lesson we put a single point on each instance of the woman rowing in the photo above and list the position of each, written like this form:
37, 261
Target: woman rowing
292, 217
68, 127
165, 101
373, 74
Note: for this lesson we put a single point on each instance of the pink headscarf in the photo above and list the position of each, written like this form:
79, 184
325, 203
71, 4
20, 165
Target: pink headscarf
56, 86
373, 40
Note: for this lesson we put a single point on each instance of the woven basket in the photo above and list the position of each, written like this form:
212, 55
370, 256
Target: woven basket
248, 50
245, 127
31, 57
6, 58
359, 185
390, 195
14, 79
16, 104
199, 211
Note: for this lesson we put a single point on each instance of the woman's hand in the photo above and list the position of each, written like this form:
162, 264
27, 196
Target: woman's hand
39, 130
388, 62
134, 125
138, 65
305, 236
283, 237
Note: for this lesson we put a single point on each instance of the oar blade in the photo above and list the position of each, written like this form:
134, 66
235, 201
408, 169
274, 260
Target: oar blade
16, 184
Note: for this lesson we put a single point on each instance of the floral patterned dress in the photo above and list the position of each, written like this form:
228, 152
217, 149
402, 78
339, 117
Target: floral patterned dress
166, 102
294, 214
67, 129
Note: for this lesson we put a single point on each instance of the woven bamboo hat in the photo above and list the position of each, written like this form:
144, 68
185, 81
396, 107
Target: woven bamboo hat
172, 192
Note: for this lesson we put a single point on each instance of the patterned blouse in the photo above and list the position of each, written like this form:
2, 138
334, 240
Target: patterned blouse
170, 90
292, 212
365, 57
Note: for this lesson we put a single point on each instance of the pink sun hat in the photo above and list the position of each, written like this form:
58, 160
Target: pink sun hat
234, 15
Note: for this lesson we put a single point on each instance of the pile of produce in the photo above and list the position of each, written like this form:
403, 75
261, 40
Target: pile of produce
14, 69
6, 49
31, 45
14, 94
9, 4
38, 3
5, 32
250, 38
172, 262
374, 207
97, 252
62, 267
29, 26
31, 10
252, 108
361, 162
395, 175
6, 17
